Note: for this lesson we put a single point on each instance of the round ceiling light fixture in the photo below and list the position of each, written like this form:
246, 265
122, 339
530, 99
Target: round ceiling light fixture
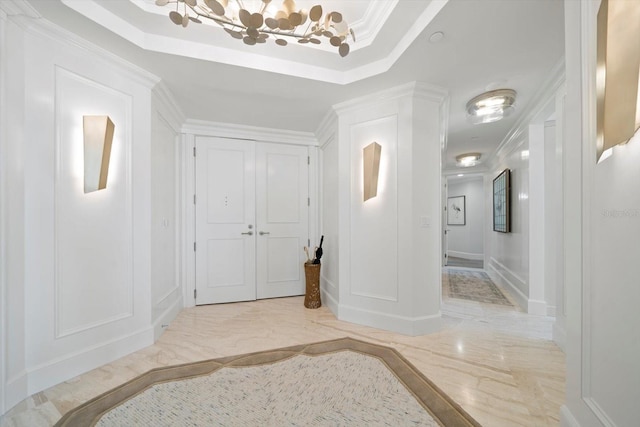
468, 159
491, 106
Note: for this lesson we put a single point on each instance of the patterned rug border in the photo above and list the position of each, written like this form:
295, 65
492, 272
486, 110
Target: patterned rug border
443, 409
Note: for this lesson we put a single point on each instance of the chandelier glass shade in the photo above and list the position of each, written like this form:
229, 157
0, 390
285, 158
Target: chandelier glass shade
265, 21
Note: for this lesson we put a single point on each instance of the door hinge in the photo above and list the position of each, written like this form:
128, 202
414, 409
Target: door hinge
194, 199
308, 160
194, 246
194, 151
308, 201
195, 293
308, 243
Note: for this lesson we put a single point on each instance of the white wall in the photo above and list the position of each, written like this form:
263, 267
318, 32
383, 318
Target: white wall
601, 230
507, 254
12, 296
467, 241
166, 283
329, 189
77, 289
389, 260
552, 217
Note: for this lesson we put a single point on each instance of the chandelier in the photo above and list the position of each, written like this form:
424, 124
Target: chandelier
267, 21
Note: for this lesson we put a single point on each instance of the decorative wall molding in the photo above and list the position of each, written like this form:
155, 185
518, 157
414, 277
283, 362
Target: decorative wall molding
60, 107
327, 129
252, 133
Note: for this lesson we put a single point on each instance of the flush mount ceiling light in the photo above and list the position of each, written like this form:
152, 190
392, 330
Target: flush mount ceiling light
254, 21
468, 159
491, 106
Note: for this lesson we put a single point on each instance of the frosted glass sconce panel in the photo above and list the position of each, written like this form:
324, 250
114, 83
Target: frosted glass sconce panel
618, 69
98, 136
371, 163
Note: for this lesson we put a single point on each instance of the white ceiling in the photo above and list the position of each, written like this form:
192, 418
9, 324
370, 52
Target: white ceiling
486, 44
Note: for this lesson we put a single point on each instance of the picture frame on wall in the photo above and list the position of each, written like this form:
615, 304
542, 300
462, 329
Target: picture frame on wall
502, 202
456, 211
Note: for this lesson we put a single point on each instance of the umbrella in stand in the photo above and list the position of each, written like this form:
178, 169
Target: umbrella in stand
318, 252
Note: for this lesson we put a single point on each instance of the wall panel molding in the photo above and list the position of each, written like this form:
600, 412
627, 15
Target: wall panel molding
73, 98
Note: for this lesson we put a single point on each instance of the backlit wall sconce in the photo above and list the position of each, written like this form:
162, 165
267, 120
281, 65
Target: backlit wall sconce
618, 72
371, 163
98, 136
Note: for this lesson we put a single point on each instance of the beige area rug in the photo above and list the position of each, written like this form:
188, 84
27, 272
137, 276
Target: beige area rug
475, 286
331, 383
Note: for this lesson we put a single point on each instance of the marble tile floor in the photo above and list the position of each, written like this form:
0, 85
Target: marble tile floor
498, 363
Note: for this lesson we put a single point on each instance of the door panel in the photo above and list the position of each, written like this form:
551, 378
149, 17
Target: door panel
225, 213
282, 215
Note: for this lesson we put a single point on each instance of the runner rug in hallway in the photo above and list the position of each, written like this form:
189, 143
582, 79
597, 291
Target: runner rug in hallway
330, 383
474, 285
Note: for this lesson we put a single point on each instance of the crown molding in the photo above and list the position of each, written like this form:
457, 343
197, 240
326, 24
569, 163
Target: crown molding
172, 112
251, 133
328, 128
17, 7
418, 90
515, 136
43, 28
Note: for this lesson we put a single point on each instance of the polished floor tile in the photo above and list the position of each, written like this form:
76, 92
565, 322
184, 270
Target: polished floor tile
498, 363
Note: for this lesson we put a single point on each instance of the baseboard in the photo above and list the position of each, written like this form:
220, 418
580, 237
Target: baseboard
465, 255
167, 317
329, 302
551, 310
412, 326
537, 307
15, 390
500, 279
559, 336
62, 369
566, 418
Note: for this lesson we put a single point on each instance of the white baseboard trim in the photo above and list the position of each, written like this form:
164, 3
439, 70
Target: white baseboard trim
167, 316
500, 279
559, 336
62, 369
328, 301
465, 255
537, 307
15, 390
551, 310
412, 326
566, 418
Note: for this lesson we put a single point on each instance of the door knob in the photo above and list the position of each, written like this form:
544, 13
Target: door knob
262, 233
248, 233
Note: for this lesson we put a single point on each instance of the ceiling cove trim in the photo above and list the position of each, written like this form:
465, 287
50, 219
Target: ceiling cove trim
157, 43
251, 133
165, 98
514, 137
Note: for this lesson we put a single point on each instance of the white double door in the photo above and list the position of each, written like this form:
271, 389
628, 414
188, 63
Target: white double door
252, 220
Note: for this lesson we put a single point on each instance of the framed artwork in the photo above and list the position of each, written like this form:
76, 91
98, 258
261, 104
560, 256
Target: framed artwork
456, 214
502, 202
